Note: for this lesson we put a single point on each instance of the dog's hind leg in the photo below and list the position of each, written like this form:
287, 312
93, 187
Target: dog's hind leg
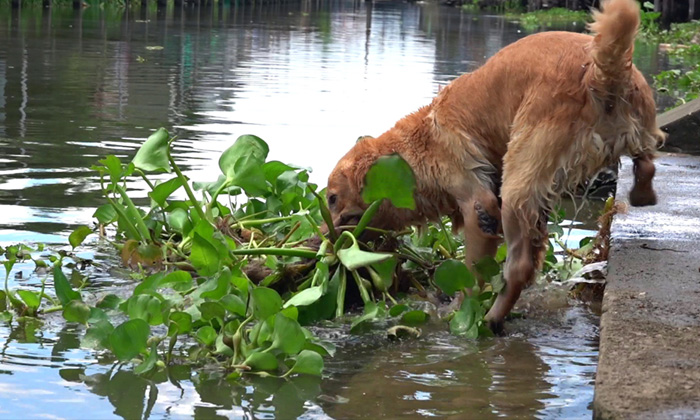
642, 193
529, 169
525, 232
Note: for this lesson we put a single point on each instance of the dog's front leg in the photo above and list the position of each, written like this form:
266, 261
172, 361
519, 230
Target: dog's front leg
482, 225
642, 193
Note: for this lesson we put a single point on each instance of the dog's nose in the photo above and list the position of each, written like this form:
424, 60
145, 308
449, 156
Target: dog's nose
350, 218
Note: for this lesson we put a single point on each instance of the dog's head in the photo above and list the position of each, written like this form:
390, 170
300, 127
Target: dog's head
345, 183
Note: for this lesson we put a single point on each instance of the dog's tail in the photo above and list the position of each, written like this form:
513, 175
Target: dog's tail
614, 28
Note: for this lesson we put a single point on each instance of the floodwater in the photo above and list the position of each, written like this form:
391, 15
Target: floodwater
309, 77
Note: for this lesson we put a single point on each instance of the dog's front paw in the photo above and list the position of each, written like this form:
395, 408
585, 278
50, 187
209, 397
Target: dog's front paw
496, 326
642, 197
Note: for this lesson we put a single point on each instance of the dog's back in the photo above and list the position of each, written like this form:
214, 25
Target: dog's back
539, 79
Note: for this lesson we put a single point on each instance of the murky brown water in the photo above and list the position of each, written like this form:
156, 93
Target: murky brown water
309, 77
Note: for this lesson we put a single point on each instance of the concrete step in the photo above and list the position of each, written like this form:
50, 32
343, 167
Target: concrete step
683, 126
650, 328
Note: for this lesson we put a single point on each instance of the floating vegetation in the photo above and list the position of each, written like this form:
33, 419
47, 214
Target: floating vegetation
233, 272
549, 17
682, 44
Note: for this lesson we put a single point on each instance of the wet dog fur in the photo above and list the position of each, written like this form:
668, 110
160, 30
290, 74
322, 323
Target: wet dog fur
497, 147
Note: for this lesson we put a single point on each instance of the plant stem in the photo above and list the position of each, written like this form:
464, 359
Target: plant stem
448, 238
215, 195
239, 333
135, 216
340, 300
315, 227
143, 175
285, 252
361, 287
52, 309
367, 217
288, 235
393, 301
445, 253
128, 226
188, 190
258, 222
326, 214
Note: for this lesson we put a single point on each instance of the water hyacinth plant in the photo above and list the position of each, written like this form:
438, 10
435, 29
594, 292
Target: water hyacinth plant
239, 284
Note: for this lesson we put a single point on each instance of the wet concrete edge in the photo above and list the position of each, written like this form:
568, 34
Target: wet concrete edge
649, 366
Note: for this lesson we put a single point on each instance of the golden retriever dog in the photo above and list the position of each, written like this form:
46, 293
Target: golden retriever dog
540, 117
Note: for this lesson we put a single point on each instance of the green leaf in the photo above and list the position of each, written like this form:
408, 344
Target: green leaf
97, 335
372, 311
223, 285
110, 301
105, 214
266, 302
64, 291
180, 323
273, 169
465, 321
287, 335
397, 310
97, 315
3, 301
78, 236
179, 221
6, 317
392, 178
414, 318
292, 312
178, 280
242, 164
487, 267
212, 310
234, 304
452, 276
354, 258
462, 323
261, 361
76, 311
501, 253
129, 339
305, 297
153, 154
206, 335
145, 307
149, 284
324, 348
114, 168
150, 362
204, 256
308, 363
164, 190
30, 298
382, 274
221, 348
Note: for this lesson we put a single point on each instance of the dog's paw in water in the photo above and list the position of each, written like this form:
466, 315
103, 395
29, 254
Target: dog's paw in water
496, 327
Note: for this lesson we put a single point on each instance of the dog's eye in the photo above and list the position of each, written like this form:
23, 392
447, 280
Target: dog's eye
332, 199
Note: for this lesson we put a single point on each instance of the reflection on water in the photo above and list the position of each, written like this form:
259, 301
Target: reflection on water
309, 77
545, 368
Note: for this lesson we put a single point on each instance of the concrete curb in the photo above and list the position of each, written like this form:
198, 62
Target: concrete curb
649, 364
